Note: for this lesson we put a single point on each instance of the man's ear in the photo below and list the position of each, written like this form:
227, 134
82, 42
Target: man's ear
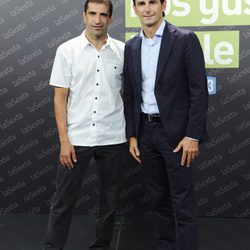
164, 6
134, 7
83, 16
110, 20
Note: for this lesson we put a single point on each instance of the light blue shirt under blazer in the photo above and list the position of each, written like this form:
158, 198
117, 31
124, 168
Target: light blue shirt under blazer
150, 49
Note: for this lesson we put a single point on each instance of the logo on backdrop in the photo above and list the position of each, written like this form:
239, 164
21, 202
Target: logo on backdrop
211, 84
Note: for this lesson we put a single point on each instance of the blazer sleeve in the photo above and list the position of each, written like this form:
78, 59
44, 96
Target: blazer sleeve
128, 97
197, 86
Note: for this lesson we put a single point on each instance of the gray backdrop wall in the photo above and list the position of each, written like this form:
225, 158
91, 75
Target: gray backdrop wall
30, 33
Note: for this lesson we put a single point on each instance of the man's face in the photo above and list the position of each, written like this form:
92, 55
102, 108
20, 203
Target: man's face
149, 11
97, 19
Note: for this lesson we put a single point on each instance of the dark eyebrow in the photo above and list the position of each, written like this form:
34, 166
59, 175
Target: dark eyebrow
91, 12
104, 14
140, 2
94, 13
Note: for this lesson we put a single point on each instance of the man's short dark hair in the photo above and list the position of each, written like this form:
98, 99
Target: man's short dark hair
162, 1
107, 2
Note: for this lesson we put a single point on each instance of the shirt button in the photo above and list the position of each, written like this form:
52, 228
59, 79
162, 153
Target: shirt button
96, 98
115, 67
94, 112
98, 56
93, 124
97, 84
98, 70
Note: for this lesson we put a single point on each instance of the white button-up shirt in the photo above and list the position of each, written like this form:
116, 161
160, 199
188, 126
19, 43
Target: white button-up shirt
94, 78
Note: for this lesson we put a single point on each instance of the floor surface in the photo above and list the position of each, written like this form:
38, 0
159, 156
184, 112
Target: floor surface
26, 232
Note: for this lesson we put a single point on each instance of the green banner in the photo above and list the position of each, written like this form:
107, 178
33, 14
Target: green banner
188, 13
220, 48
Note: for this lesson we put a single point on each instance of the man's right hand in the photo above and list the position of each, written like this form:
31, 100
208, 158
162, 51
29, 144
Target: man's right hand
133, 149
67, 155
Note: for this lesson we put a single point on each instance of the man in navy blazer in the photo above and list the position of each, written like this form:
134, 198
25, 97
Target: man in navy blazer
165, 102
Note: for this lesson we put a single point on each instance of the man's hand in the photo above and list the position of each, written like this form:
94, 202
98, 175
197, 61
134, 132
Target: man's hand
67, 155
133, 149
190, 150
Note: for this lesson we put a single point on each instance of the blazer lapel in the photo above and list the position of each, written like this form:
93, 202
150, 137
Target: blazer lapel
137, 62
167, 43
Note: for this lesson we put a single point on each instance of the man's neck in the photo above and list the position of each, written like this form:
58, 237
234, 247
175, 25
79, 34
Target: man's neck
97, 42
149, 31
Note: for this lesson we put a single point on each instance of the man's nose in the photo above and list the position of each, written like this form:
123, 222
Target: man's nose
98, 19
147, 7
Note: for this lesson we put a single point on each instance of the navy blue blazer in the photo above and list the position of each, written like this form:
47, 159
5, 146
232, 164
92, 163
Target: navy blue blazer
180, 88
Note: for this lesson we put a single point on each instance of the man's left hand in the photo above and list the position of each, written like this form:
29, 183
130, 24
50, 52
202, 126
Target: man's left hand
190, 150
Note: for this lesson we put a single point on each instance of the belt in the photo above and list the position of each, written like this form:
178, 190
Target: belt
151, 117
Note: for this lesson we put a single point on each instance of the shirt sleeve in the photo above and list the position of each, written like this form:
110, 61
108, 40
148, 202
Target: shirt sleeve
193, 139
61, 71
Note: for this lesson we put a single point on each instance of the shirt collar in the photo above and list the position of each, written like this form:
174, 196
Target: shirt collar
85, 42
159, 32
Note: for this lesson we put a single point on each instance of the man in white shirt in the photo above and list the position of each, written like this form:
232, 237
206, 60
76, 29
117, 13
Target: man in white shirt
87, 76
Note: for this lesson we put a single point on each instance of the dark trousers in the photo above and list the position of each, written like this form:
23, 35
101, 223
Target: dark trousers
68, 183
171, 189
